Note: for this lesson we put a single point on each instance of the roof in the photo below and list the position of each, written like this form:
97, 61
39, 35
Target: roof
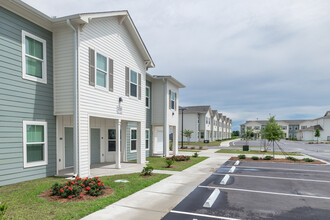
34, 15
264, 122
168, 77
196, 109
215, 113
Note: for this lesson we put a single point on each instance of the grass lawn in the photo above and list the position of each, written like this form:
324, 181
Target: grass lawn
189, 150
23, 201
198, 144
158, 163
234, 151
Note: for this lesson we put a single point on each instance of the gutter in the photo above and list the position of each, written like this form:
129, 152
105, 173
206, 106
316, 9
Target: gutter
75, 113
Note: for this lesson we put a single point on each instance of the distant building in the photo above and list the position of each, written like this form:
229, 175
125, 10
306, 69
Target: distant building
294, 129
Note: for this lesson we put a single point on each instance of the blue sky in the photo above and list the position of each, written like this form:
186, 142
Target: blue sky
245, 58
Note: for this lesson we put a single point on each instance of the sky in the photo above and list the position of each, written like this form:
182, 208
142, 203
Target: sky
246, 58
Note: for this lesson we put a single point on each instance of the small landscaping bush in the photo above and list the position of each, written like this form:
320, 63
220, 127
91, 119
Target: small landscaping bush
192, 148
184, 147
308, 160
73, 188
241, 156
292, 158
255, 158
201, 147
268, 158
180, 157
146, 171
169, 161
195, 154
3, 208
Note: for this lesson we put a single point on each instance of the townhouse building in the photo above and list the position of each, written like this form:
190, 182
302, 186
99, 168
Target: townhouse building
294, 129
75, 92
206, 124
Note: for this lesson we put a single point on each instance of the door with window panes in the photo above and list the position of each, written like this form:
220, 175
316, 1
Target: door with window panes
111, 146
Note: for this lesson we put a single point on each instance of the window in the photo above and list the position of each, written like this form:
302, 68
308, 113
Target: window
35, 143
249, 127
133, 83
34, 58
173, 100
284, 127
147, 139
111, 140
133, 139
303, 127
101, 71
148, 97
256, 127
202, 134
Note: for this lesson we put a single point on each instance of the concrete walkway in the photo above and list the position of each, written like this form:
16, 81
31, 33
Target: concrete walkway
156, 200
227, 143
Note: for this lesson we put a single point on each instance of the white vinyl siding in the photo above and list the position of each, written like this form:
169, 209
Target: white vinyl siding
34, 63
101, 71
133, 142
35, 145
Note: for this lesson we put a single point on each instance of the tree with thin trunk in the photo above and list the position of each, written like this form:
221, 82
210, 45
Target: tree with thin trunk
187, 134
273, 132
248, 135
317, 134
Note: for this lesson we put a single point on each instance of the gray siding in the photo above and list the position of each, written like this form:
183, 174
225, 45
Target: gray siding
130, 156
22, 99
148, 121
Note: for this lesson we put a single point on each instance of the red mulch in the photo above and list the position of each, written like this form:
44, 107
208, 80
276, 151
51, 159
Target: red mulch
278, 160
48, 194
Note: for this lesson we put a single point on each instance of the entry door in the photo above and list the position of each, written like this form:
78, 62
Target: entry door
95, 145
159, 148
68, 136
111, 149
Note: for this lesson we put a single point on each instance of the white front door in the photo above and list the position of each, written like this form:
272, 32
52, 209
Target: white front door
159, 146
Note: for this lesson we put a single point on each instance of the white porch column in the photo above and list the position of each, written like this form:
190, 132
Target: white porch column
118, 166
166, 141
175, 140
124, 141
141, 152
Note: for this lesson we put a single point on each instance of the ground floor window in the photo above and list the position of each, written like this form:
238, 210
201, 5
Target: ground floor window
133, 139
35, 143
147, 139
112, 140
202, 134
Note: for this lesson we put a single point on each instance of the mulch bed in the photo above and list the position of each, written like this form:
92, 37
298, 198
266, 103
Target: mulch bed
278, 160
48, 194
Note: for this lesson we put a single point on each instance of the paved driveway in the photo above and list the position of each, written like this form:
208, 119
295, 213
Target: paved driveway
321, 151
260, 191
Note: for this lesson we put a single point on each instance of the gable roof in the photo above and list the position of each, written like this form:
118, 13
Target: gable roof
197, 109
312, 128
168, 77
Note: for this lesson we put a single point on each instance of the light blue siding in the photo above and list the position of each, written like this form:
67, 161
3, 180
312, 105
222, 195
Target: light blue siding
21, 100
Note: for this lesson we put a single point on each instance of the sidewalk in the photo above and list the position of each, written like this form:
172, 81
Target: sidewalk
156, 200
226, 143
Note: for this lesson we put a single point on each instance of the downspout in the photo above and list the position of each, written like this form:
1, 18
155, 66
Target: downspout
75, 113
165, 119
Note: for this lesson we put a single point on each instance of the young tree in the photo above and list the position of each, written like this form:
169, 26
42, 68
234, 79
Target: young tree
317, 134
247, 136
273, 132
187, 134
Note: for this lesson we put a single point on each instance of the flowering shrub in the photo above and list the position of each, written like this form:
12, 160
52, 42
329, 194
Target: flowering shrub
180, 157
74, 188
169, 161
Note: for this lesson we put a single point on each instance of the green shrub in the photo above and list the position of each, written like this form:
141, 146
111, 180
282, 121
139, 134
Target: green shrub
180, 157
192, 148
195, 154
169, 161
3, 208
255, 158
171, 146
308, 160
268, 158
292, 158
146, 171
241, 156
201, 147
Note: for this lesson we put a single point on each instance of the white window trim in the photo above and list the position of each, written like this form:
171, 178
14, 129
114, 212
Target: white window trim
38, 163
173, 100
44, 61
148, 107
106, 88
130, 141
148, 147
137, 84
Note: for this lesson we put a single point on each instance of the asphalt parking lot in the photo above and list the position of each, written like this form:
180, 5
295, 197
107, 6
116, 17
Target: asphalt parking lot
260, 191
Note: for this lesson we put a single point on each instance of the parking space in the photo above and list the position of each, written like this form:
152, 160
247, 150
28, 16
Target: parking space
260, 191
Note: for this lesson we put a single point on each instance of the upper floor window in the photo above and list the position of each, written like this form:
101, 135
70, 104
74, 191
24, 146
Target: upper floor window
35, 143
284, 127
133, 84
303, 127
101, 71
34, 58
148, 97
173, 95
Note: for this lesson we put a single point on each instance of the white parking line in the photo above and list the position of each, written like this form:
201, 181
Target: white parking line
273, 177
203, 215
265, 192
271, 168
